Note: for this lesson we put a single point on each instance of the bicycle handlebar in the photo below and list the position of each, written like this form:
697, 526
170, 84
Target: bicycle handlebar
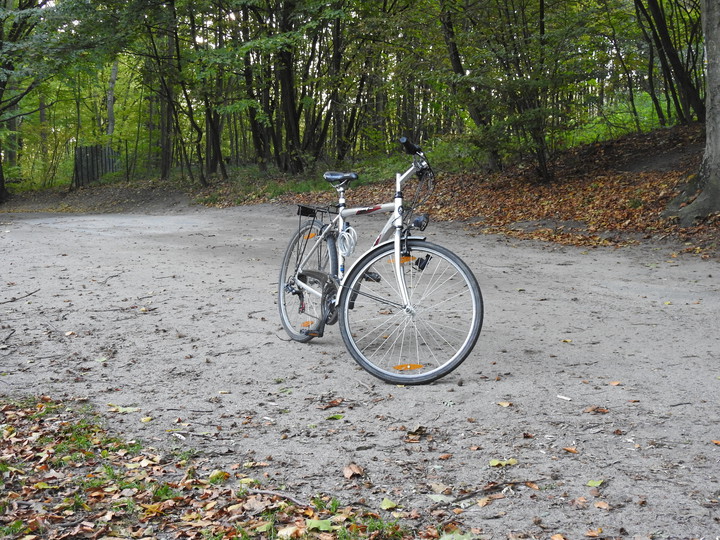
410, 147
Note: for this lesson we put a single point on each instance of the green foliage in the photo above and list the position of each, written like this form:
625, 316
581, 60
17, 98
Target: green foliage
15, 528
164, 492
209, 86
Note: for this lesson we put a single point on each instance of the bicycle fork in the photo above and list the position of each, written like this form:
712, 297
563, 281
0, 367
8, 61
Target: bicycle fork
400, 274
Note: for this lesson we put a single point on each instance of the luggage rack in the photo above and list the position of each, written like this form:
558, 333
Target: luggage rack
305, 210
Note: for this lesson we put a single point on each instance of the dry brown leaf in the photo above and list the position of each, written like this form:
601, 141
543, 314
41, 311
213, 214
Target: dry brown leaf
353, 469
596, 409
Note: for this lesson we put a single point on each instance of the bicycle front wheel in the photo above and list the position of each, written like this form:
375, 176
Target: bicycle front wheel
301, 311
425, 340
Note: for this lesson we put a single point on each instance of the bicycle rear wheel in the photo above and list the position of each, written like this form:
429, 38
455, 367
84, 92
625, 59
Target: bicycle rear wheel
413, 344
301, 312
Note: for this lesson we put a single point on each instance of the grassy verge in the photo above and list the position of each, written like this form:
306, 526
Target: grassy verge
64, 476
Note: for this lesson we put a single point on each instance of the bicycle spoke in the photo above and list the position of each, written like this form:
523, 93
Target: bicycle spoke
425, 340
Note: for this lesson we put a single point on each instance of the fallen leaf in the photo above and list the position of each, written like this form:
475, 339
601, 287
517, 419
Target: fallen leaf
505, 403
387, 504
352, 469
595, 409
318, 524
334, 403
595, 483
716, 442
122, 410
503, 463
571, 449
602, 505
218, 476
594, 533
291, 531
445, 456
440, 498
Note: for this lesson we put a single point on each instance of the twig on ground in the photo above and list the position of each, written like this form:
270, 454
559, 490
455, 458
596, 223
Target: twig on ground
15, 299
365, 385
492, 486
8, 336
277, 494
104, 281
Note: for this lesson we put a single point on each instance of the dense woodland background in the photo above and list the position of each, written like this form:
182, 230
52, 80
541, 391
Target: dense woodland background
205, 87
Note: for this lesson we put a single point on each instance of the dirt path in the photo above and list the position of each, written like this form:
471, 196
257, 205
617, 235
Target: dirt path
597, 365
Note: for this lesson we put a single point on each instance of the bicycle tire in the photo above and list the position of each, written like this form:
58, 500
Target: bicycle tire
301, 313
415, 346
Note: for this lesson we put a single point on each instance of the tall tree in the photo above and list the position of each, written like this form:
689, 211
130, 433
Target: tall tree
18, 21
707, 182
680, 74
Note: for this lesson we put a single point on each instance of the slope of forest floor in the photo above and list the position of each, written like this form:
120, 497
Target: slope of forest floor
606, 193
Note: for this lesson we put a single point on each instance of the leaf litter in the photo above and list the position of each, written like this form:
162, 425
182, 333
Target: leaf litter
63, 476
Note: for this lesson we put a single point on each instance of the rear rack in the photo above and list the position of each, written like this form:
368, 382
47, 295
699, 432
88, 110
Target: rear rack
312, 211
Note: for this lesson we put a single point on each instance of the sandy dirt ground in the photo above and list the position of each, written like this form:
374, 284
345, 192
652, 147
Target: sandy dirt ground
595, 385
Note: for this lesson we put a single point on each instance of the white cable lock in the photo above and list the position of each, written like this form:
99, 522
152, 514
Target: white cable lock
347, 241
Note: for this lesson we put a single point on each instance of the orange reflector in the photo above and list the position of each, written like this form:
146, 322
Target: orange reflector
408, 367
306, 324
404, 259
309, 236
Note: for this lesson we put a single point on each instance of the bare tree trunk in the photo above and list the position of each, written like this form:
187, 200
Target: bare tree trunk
464, 91
4, 193
111, 99
708, 179
689, 93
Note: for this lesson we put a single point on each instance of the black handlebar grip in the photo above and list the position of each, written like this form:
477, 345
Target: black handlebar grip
410, 148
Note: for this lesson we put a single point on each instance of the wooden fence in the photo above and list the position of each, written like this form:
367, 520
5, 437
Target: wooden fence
91, 162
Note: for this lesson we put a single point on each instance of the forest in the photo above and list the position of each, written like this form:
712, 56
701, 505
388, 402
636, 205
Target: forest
207, 88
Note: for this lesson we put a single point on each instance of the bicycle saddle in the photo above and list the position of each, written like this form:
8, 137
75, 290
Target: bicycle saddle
339, 177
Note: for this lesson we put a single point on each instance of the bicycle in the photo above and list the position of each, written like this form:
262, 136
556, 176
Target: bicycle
409, 311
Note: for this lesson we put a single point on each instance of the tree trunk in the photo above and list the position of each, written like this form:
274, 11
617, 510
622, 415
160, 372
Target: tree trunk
259, 133
689, 93
4, 193
111, 98
708, 179
463, 91
292, 160
166, 139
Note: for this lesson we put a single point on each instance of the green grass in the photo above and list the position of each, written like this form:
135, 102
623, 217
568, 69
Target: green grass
84, 492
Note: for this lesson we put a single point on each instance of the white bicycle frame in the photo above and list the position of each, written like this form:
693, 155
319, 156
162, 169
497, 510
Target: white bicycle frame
392, 228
